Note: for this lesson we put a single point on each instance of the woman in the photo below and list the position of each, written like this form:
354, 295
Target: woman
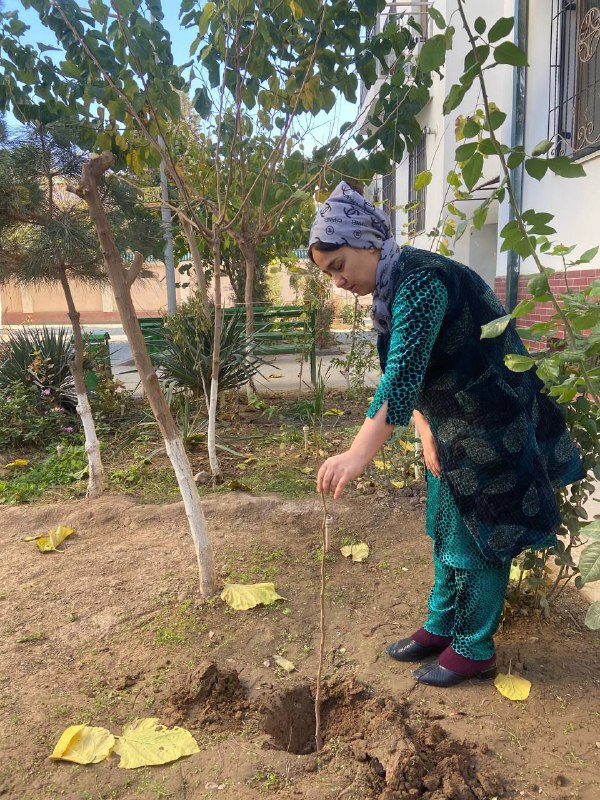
494, 445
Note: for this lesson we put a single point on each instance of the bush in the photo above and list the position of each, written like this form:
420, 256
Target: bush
29, 418
184, 353
38, 358
57, 469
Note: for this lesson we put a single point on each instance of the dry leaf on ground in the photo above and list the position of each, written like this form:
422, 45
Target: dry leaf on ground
146, 743
84, 745
242, 597
359, 552
48, 543
512, 686
282, 662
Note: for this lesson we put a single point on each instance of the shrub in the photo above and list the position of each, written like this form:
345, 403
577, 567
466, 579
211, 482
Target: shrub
30, 418
57, 469
39, 358
184, 353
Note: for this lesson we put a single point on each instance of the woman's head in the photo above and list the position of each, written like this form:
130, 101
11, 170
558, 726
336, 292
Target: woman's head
346, 237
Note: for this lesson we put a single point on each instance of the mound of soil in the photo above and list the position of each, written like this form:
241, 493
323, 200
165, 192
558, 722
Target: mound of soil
207, 696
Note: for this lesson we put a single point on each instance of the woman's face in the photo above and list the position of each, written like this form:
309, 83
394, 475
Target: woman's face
350, 268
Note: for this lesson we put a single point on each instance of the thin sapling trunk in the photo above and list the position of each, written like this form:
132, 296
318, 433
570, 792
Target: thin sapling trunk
215, 467
92, 445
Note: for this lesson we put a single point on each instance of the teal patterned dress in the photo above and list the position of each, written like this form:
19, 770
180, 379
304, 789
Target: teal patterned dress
468, 594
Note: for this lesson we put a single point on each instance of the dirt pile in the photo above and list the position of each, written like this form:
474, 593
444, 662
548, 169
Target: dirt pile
398, 755
210, 695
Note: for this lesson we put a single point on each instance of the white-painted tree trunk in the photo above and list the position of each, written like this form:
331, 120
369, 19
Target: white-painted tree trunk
211, 439
95, 485
189, 493
121, 280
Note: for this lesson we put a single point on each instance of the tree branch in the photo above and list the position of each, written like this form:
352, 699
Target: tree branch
135, 269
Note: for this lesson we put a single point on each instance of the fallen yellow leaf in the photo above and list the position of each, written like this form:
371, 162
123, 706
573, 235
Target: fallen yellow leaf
84, 745
512, 686
358, 551
241, 597
334, 412
282, 662
145, 743
46, 544
18, 462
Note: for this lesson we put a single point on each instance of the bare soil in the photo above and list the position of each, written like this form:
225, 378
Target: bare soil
112, 629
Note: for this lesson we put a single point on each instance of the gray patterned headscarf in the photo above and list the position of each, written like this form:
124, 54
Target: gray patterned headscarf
346, 218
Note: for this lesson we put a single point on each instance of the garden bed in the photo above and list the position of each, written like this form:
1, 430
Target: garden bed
112, 629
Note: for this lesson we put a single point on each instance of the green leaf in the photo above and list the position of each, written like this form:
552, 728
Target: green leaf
480, 25
496, 327
470, 129
536, 167
465, 151
476, 58
586, 257
542, 147
563, 166
480, 216
433, 53
501, 28
517, 363
487, 147
592, 530
497, 117
592, 618
455, 96
202, 103
538, 285
205, 18
471, 170
509, 53
422, 180
523, 308
589, 563
379, 162
437, 17
547, 370
515, 158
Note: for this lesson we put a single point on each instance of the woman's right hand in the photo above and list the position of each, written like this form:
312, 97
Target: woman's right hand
337, 471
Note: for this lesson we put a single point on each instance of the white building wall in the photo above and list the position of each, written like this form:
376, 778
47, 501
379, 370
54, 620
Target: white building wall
575, 202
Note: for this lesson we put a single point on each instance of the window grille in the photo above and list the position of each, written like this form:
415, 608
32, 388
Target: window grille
417, 162
574, 120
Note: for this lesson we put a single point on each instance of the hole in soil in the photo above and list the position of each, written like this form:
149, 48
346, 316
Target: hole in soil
290, 721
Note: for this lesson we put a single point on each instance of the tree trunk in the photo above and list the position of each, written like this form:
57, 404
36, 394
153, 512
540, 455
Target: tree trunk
121, 281
197, 260
215, 467
249, 254
92, 445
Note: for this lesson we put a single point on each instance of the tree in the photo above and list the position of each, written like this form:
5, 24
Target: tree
46, 237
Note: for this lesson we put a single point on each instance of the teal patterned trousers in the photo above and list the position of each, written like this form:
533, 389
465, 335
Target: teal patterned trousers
466, 604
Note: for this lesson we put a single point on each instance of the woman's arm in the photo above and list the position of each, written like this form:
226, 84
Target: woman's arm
430, 451
339, 470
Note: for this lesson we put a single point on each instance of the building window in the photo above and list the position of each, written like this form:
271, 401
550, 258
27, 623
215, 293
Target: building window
574, 122
417, 162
